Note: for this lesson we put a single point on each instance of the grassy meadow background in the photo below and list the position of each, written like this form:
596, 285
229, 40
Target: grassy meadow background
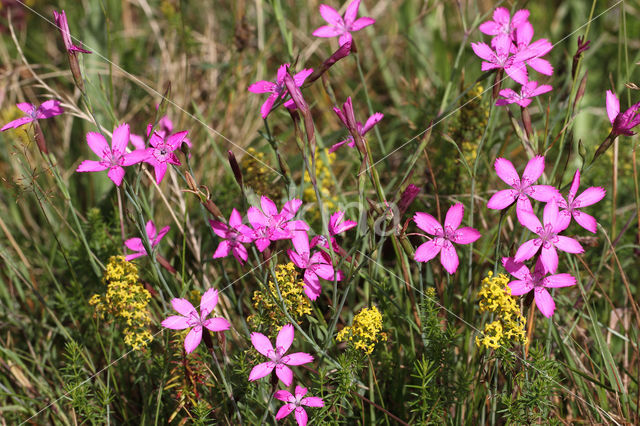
60, 363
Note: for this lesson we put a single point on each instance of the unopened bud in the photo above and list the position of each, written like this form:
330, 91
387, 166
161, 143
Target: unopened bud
40, 140
235, 167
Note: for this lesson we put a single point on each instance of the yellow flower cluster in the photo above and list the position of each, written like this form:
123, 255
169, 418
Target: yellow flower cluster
257, 176
126, 301
292, 291
508, 326
326, 186
364, 333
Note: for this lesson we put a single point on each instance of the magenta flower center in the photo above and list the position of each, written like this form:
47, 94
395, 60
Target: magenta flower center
194, 319
547, 236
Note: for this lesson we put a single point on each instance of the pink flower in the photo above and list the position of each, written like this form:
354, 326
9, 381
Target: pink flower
47, 109
135, 244
63, 26
164, 128
277, 357
527, 91
548, 239
444, 237
524, 35
269, 225
346, 115
112, 158
278, 88
622, 122
513, 65
571, 205
522, 189
296, 403
337, 225
189, 318
339, 26
316, 265
503, 26
538, 281
234, 235
161, 152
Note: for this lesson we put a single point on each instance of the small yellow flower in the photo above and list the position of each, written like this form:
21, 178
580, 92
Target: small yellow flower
324, 179
365, 331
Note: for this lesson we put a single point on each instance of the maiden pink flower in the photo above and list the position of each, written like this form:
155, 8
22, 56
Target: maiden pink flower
337, 225
277, 357
63, 26
296, 403
234, 234
548, 239
47, 109
316, 265
189, 318
269, 225
111, 158
622, 123
522, 188
444, 237
136, 245
339, 26
524, 35
513, 65
527, 91
164, 129
278, 88
538, 281
160, 154
346, 115
571, 205
503, 26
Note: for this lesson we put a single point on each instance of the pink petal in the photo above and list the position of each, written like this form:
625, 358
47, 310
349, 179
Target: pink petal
568, 244
312, 401
351, 12
544, 302
300, 77
331, 15
327, 31
91, 166
120, 138
543, 67
193, 339
26, 107
217, 324
519, 18
517, 269
219, 228
300, 391
285, 410
549, 258
518, 72
16, 123
502, 199
613, 106
262, 86
262, 243
160, 170
175, 140
182, 306
490, 28
544, 88
208, 302
240, 253
116, 174
523, 206
285, 337
527, 250
427, 251
175, 322
256, 217
297, 260
559, 280
483, 51
587, 221
150, 229
550, 213
544, 193
524, 33
285, 374
529, 220
466, 235
98, 145
161, 235
268, 207
372, 121
453, 219
590, 196
261, 370
235, 219
284, 395
297, 358
505, 171
362, 23
290, 208
262, 344
428, 223
300, 242
135, 244
563, 222
135, 157
520, 287
534, 169
50, 109
265, 109
312, 286
137, 141
449, 258
501, 16
301, 416
575, 184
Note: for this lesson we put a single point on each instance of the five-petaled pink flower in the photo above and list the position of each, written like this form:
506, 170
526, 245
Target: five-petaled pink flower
278, 88
345, 114
527, 91
136, 245
189, 318
269, 225
548, 239
234, 234
571, 205
522, 188
296, 403
160, 153
622, 123
503, 26
112, 158
513, 65
339, 26
444, 237
538, 281
47, 109
277, 357
63, 26
164, 128
316, 265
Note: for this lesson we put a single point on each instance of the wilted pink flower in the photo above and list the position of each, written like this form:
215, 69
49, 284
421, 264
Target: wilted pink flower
161, 152
339, 26
522, 189
234, 235
112, 158
527, 91
622, 122
269, 225
135, 244
524, 35
278, 88
571, 205
296, 403
63, 26
47, 109
538, 281
316, 265
513, 65
277, 357
548, 239
345, 115
503, 26
189, 318
444, 237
